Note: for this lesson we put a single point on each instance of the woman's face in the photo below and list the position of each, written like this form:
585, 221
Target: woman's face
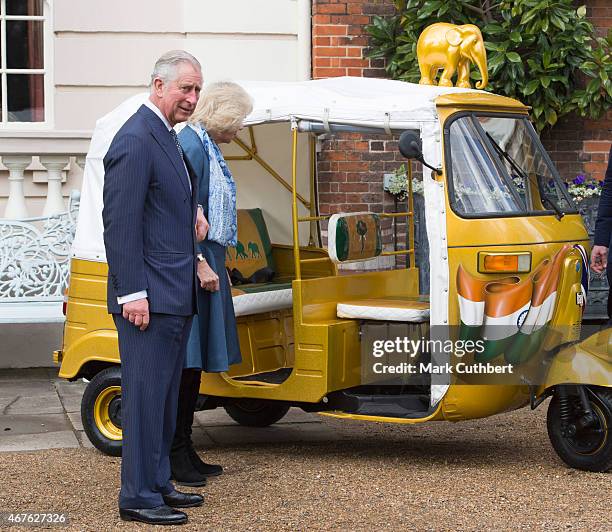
224, 137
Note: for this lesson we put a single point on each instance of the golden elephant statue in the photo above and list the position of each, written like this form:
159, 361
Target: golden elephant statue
452, 48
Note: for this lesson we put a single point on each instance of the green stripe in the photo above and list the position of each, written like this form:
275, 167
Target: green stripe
525, 346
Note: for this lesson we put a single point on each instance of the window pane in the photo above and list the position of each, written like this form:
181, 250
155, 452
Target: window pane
513, 136
24, 44
25, 95
24, 7
478, 186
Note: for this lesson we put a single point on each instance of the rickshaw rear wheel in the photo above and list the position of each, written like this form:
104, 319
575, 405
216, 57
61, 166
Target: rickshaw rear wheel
256, 412
101, 411
589, 448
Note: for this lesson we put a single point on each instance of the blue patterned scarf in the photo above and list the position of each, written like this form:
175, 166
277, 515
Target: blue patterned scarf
221, 193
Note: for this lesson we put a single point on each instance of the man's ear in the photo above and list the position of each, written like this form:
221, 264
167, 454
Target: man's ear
158, 86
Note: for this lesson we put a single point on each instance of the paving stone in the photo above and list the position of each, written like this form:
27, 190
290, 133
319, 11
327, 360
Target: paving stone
201, 440
274, 434
84, 440
25, 375
35, 442
71, 403
75, 420
22, 387
47, 403
69, 388
11, 425
219, 417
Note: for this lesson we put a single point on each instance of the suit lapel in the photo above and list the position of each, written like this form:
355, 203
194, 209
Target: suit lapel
164, 139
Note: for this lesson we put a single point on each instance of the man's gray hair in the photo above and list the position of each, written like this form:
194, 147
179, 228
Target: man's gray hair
165, 67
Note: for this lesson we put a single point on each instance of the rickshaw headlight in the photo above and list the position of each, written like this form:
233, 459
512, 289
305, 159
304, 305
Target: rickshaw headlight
519, 262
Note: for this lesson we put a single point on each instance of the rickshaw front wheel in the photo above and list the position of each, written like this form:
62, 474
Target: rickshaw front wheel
256, 412
582, 446
101, 411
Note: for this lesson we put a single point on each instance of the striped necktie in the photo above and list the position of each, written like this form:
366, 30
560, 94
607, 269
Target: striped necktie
176, 141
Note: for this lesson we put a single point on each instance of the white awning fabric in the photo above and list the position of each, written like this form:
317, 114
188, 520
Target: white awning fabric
346, 100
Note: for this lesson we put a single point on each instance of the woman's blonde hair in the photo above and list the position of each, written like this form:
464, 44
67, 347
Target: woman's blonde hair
222, 107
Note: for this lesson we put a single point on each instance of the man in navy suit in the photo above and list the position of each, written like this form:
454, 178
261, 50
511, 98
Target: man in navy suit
149, 218
603, 232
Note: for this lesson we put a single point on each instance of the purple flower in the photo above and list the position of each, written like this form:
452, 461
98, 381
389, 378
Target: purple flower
600, 183
579, 180
590, 186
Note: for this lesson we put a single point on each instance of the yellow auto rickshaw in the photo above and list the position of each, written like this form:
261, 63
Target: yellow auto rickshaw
507, 274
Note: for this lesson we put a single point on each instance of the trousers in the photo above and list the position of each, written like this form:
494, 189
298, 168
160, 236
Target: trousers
151, 365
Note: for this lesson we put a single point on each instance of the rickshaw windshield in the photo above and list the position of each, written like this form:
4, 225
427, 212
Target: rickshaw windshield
500, 168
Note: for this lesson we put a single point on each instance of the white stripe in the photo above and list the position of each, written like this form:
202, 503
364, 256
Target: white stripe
503, 326
539, 316
471, 312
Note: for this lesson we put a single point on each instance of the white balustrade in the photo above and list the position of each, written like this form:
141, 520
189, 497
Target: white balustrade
16, 204
35, 248
54, 164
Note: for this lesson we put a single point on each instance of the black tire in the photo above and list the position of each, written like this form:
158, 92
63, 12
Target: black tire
589, 450
256, 412
101, 411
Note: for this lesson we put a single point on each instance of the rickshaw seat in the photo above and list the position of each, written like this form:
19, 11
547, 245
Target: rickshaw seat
261, 297
253, 253
390, 308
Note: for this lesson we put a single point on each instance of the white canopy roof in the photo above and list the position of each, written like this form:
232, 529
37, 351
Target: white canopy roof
347, 100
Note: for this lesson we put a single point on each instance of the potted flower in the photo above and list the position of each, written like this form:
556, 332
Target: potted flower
585, 193
396, 183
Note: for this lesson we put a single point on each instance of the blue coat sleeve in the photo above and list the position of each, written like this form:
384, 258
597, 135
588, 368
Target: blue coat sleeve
603, 225
198, 158
127, 172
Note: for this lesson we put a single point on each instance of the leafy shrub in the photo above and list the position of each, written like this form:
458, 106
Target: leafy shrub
542, 52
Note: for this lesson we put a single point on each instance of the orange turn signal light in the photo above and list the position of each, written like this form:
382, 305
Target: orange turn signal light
519, 262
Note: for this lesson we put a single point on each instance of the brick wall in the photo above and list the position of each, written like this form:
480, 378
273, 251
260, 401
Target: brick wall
339, 37
579, 146
351, 167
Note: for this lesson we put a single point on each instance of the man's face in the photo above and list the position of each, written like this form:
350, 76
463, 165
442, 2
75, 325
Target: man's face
177, 98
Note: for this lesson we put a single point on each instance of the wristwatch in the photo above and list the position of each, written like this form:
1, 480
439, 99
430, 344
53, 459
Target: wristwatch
200, 257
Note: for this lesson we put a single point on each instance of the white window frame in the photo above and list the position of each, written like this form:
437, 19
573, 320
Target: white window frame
47, 70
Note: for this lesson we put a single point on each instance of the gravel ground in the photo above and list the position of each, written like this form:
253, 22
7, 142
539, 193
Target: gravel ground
499, 473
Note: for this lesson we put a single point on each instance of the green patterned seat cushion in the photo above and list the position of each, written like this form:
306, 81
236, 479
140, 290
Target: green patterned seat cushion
253, 250
354, 237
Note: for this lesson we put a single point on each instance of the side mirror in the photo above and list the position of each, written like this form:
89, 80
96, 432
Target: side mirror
410, 147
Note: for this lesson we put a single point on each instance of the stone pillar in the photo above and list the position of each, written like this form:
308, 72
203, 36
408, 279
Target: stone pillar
16, 206
54, 165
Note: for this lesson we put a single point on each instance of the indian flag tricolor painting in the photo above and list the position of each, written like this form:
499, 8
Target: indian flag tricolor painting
510, 315
533, 327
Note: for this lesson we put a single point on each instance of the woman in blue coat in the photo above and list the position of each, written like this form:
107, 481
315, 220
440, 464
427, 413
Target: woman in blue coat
213, 345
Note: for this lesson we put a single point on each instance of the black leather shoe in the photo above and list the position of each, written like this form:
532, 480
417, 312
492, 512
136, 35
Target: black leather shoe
160, 515
178, 499
208, 470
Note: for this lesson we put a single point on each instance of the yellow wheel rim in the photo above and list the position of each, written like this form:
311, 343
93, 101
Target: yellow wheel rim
101, 413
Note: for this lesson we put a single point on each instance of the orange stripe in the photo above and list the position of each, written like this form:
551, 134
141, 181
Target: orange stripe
545, 281
503, 299
473, 289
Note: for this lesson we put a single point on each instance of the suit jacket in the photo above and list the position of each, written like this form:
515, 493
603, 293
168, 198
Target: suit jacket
603, 226
149, 217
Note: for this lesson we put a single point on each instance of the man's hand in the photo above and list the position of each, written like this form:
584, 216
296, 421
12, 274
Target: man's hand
137, 312
201, 227
209, 280
599, 258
